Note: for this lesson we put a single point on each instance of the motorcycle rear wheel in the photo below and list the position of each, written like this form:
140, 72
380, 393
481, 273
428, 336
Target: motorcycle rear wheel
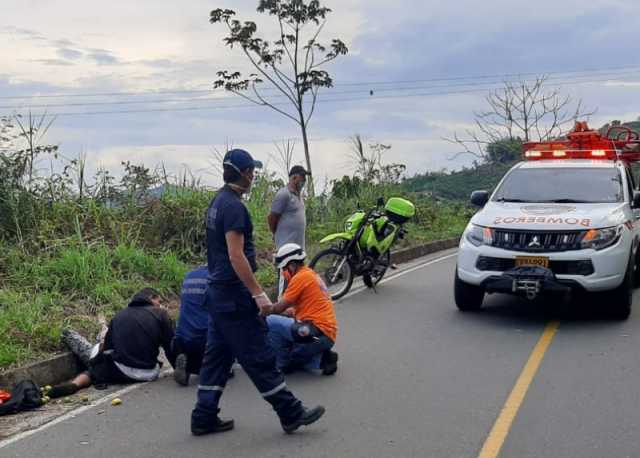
326, 264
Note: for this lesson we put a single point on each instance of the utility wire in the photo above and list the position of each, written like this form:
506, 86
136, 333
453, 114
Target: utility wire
358, 83
607, 77
320, 100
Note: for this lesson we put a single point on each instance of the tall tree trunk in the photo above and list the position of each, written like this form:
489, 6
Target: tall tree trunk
307, 157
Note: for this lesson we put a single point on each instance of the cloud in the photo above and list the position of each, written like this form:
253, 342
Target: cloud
23, 33
102, 57
53, 62
70, 54
66, 51
63, 43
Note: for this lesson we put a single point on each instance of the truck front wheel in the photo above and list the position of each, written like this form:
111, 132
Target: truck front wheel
468, 297
622, 296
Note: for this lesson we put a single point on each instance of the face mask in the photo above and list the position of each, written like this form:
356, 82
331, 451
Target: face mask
248, 182
300, 185
244, 186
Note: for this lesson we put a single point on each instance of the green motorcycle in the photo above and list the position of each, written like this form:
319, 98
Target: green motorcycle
364, 249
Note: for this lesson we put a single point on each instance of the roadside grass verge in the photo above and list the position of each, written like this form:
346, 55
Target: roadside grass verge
64, 263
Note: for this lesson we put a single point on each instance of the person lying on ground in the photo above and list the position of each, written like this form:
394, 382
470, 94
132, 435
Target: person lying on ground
130, 350
304, 341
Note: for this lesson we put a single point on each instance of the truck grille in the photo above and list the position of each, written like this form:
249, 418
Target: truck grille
535, 241
582, 267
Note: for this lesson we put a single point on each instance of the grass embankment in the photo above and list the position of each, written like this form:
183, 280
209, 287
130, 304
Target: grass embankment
63, 263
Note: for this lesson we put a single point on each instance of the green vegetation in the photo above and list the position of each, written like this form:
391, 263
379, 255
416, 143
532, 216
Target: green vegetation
458, 185
70, 251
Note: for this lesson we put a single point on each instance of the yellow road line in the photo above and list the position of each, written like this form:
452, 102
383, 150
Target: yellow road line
500, 430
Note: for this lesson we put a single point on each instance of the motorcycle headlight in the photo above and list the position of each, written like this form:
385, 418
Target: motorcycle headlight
598, 239
348, 225
479, 235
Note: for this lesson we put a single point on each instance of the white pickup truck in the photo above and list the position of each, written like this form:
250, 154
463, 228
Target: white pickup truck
565, 219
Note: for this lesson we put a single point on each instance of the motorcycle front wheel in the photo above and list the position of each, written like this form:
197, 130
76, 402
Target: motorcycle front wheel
335, 269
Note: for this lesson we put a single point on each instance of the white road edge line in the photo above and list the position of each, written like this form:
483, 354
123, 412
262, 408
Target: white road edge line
128, 389
400, 274
75, 412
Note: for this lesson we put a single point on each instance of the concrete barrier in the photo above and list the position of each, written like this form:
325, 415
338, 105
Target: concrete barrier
65, 366
408, 254
48, 372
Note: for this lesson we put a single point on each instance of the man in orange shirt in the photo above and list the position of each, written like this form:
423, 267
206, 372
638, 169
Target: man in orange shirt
304, 341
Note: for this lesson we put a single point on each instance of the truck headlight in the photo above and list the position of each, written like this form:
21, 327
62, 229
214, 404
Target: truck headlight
599, 239
479, 235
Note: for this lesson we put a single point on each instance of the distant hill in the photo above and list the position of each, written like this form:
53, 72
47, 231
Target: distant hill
458, 185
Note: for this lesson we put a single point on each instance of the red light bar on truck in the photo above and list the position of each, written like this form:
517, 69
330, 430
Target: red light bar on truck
619, 143
532, 155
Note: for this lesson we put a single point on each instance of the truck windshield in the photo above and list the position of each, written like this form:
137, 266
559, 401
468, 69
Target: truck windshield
561, 185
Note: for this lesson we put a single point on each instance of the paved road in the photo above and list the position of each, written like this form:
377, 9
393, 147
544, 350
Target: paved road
417, 378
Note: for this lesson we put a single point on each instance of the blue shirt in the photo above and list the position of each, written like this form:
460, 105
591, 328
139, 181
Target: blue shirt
227, 213
194, 316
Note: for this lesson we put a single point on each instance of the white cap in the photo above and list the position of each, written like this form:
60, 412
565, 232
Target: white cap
287, 253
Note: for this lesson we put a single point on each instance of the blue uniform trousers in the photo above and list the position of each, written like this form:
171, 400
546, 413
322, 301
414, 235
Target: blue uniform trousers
241, 335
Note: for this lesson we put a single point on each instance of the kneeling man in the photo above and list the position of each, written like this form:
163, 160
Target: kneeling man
303, 339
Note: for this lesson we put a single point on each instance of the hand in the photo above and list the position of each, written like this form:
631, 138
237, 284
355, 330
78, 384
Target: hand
266, 310
290, 312
264, 303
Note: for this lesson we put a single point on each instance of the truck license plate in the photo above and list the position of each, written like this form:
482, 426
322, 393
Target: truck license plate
540, 261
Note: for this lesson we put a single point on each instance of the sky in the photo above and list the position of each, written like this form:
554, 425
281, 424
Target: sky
156, 50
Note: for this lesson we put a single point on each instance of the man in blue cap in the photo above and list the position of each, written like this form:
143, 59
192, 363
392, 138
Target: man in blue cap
233, 298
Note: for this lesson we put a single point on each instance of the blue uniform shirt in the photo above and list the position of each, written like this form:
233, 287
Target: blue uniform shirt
194, 316
227, 213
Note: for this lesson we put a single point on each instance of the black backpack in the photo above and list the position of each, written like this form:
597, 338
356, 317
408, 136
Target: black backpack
26, 395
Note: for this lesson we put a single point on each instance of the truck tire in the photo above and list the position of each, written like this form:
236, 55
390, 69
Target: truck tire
636, 271
622, 296
468, 297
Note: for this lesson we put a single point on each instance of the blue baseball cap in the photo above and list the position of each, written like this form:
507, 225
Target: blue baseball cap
240, 160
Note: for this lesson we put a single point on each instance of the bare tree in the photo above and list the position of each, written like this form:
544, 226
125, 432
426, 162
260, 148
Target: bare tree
216, 160
369, 164
291, 64
32, 131
367, 160
285, 157
523, 111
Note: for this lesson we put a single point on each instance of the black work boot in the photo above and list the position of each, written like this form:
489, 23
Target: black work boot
180, 374
329, 362
218, 425
307, 417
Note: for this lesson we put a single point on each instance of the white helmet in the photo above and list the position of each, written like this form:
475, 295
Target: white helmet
287, 253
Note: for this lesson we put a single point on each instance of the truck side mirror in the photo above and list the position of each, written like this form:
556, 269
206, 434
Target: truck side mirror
636, 200
479, 198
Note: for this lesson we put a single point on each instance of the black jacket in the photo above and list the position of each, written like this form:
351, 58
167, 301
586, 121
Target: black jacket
136, 334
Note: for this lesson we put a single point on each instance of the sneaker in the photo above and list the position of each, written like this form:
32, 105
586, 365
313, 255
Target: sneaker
329, 362
218, 426
307, 417
180, 374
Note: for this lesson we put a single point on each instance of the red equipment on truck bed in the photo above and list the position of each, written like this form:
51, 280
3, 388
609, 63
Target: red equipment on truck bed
619, 143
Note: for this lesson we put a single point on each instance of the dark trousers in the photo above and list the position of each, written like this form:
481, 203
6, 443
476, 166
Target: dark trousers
103, 370
194, 349
241, 335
